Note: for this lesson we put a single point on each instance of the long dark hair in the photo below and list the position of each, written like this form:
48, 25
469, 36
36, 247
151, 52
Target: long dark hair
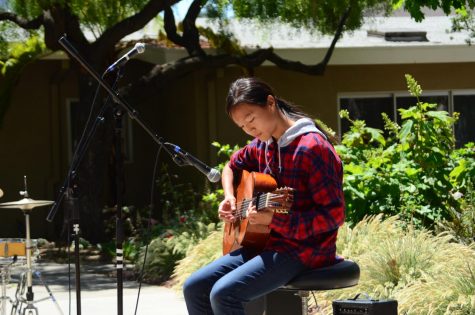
254, 91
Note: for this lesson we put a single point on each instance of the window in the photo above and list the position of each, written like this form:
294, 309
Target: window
405, 102
464, 131
369, 107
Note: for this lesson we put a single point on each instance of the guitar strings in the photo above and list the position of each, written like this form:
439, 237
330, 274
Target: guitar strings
241, 207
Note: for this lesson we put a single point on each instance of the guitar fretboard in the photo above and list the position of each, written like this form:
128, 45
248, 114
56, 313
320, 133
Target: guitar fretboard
261, 201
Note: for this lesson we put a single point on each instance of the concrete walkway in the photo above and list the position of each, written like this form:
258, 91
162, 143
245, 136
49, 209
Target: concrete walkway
98, 293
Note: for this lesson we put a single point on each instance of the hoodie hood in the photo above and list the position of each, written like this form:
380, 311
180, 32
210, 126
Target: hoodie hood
300, 127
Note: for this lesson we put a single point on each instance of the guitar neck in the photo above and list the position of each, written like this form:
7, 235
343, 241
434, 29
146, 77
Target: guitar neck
262, 201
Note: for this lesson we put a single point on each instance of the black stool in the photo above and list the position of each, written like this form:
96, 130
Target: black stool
292, 298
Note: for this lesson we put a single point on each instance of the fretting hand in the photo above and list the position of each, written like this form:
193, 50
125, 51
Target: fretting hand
264, 216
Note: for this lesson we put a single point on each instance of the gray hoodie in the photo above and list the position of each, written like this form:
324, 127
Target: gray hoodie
300, 127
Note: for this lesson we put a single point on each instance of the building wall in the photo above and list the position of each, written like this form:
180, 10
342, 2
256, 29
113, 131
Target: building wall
32, 143
188, 112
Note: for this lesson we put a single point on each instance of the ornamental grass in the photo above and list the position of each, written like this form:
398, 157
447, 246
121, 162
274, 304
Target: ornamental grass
425, 273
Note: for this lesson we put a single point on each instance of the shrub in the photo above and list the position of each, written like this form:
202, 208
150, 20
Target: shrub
406, 172
462, 218
164, 251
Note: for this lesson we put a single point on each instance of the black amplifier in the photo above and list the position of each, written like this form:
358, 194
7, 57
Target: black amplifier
364, 307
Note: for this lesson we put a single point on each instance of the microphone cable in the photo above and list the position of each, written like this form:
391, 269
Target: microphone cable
149, 225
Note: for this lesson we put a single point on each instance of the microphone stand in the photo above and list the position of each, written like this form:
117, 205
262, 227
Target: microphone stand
133, 114
73, 217
119, 169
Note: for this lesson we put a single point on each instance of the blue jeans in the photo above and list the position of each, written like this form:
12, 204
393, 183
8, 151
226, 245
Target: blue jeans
222, 287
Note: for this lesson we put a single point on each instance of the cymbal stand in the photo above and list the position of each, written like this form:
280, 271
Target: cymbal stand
20, 291
29, 280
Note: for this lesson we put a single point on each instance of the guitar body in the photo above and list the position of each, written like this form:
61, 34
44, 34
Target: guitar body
240, 233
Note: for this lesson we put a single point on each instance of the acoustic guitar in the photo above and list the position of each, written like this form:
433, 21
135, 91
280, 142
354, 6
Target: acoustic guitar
261, 191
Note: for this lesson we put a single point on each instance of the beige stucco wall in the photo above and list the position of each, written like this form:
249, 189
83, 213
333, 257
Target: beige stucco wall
32, 143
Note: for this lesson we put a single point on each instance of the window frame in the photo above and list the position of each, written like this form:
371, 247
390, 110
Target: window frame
395, 94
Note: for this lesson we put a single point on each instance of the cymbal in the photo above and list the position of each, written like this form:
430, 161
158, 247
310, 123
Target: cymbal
25, 204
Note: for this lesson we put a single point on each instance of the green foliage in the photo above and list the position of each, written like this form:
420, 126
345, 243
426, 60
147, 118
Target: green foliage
132, 225
463, 173
405, 173
130, 249
99, 15
224, 41
414, 7
19, 56
462, 176
464, 20
224, 152
323, 16
426, 274
95, 15
175, 197
3, 41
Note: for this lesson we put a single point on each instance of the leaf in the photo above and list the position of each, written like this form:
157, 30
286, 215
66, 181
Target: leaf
405, 130
443, 116
356, 192
377, 135
354, 169
459, 169
411, 171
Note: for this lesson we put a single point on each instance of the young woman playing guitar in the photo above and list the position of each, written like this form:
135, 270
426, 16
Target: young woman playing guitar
290, 148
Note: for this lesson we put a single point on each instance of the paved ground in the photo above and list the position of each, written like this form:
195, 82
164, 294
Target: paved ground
98, 293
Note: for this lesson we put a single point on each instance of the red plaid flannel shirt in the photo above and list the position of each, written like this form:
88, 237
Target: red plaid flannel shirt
310, 165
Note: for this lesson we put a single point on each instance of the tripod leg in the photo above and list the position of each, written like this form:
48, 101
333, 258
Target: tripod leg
38, 275
20, 290
3, 298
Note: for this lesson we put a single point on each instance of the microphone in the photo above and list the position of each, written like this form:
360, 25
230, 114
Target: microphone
138, 49
211, 173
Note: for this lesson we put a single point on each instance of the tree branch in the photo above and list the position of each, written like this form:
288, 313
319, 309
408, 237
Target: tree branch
339, 31
167, 72
131, 24
24, 23
59, 20
191, 36
170, 27
161, 74
319, 68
